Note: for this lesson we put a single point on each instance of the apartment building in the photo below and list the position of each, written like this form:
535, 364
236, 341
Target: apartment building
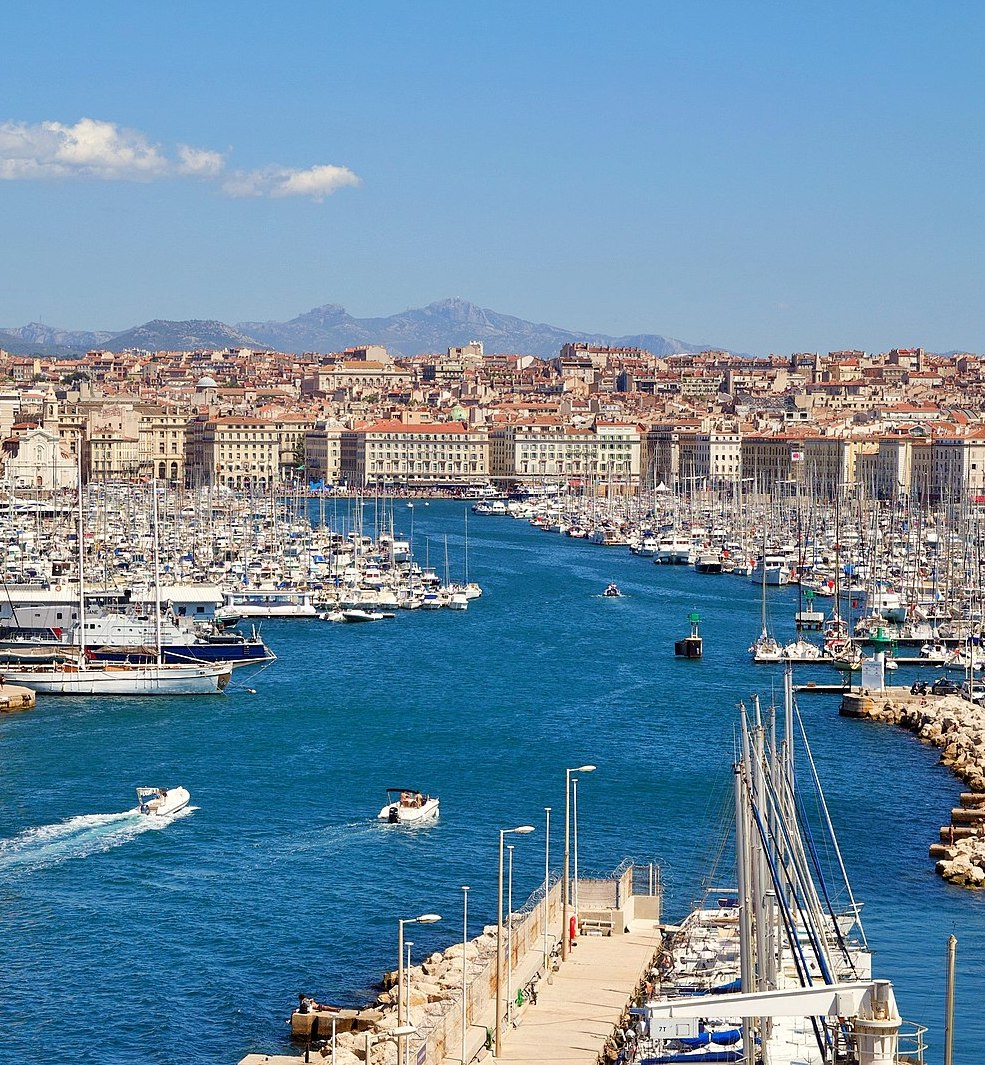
547, 450
396, 453
323, 453
237, 452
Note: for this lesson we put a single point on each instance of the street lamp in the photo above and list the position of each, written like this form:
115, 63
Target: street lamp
425, 918
465, 966
523, 830
565, 938
509, 933
547, 880
574, 833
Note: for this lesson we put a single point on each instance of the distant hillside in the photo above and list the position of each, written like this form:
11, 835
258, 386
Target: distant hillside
38, 339
161, 335
331, 328
436, 327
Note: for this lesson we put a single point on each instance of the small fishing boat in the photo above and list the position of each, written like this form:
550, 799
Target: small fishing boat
612, 592
406, 806
160, 802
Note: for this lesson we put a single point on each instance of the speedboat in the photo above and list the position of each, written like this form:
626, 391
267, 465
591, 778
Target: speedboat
405, 806
612, 592
159, 802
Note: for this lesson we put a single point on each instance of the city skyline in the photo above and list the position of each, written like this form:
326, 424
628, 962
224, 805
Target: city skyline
763, 178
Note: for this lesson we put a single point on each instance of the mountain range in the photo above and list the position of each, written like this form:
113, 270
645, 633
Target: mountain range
331, 328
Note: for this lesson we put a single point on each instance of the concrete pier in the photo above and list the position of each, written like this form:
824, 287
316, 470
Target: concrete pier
577, 1012
13, 697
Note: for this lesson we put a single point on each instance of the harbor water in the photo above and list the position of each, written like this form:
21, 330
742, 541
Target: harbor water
187, 943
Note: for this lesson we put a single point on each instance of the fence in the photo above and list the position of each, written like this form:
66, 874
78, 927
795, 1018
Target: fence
441, 1034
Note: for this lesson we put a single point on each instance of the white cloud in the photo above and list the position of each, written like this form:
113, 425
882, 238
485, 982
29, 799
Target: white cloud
90, 148
316, 182
104, 151
199, 162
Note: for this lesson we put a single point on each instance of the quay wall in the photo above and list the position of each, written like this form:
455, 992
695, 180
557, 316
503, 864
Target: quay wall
957, 727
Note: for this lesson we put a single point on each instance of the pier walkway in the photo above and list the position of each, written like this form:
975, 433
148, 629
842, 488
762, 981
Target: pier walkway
577, 1011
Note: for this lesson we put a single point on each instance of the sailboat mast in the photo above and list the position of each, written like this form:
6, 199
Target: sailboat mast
82, 551
157, 576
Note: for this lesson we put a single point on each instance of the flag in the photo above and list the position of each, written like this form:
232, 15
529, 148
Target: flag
796, 456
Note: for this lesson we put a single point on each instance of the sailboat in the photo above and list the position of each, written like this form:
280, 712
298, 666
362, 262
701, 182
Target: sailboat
80, 675
766, 648
771, 970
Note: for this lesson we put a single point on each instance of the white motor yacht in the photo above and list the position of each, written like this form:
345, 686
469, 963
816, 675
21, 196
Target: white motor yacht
160, 802
406, 806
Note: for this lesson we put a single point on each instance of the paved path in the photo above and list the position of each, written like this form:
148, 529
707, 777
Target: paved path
577, 1011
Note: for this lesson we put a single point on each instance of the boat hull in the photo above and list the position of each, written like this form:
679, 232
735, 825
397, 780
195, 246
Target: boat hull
121, 680
395, 814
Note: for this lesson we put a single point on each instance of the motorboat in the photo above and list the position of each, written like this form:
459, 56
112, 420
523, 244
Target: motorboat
358, 614
612, 592
160, 802
406, 806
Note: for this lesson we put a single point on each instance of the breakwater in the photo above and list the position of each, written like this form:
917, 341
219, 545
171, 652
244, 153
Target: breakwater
957, 727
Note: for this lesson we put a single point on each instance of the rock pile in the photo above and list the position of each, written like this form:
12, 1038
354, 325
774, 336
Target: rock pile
957, 727
434, 986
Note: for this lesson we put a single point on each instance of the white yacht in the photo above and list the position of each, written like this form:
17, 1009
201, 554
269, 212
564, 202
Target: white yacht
406, 806
773, 570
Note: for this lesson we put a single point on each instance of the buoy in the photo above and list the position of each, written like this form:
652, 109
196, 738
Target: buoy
690, 646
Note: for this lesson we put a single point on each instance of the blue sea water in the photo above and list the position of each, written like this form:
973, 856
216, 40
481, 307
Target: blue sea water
189, 944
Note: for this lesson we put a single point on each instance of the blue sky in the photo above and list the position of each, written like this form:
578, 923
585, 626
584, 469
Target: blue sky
765, 176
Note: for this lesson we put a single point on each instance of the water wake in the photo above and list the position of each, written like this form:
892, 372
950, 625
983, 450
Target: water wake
78, 837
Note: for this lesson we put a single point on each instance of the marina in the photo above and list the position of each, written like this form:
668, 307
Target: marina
341, 715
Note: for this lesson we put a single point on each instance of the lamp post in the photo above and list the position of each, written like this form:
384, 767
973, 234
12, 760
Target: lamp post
465, 966
565, 938
425, 918
522, 830
547, 881
574, 833
509, 933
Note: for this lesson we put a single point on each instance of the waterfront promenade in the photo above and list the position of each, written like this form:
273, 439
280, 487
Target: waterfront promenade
575, 1012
